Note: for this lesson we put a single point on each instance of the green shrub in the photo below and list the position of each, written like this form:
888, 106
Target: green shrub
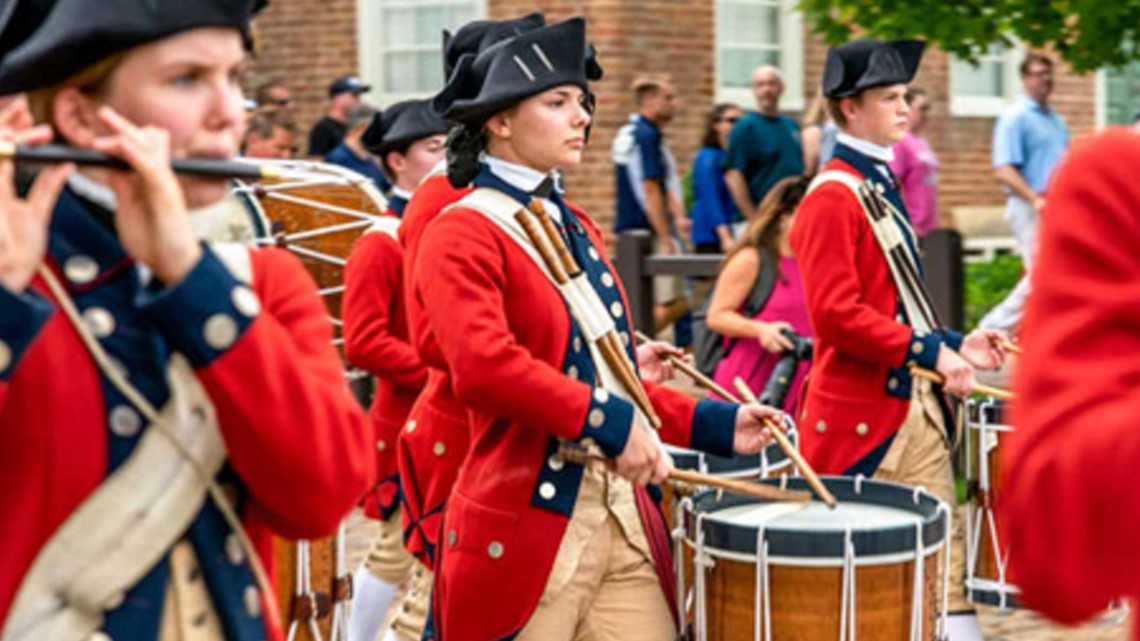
988, 283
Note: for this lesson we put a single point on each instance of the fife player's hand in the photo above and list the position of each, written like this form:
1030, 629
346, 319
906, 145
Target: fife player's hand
24, 221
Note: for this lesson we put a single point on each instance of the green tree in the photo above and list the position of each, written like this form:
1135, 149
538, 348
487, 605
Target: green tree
1089, 34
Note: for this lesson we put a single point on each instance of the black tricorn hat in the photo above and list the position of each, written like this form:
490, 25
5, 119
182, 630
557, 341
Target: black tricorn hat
44, 42
477, 35
512, 70
865, 64
401, 125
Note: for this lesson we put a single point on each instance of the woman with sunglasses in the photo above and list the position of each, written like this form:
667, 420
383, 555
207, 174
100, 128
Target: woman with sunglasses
713, 212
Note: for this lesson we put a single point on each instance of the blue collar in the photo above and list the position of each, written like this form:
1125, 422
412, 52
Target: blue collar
885, 182
397, 204
76, 231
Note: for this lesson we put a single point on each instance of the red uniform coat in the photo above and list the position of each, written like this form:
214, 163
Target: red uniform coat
1069, 503
376, 340
860, 388
434, 447
297, 442
505, 333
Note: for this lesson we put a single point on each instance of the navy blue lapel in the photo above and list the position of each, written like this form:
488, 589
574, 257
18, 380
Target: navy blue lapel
885, 182
397, 204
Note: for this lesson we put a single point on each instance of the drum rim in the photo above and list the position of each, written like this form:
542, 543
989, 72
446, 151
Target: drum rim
818, 544
993, 410
989, 592
740, 464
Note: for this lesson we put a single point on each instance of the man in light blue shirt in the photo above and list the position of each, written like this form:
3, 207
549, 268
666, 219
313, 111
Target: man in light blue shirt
1030, 138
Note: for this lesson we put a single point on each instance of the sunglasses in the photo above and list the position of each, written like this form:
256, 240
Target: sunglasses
731, 121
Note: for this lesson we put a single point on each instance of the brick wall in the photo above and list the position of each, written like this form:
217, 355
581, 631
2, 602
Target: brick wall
310, 42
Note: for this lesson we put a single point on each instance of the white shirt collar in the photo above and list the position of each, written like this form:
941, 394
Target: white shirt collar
517, 175
526, 179
400, 193
869, 149
92, 190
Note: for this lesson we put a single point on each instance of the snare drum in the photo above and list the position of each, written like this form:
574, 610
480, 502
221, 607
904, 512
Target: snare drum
986, 557
317, 211
791, 571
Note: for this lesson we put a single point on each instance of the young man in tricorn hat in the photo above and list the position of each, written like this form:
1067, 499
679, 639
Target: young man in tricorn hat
864, 412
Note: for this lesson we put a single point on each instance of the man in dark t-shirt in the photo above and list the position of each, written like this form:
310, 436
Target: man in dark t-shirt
764, 146
344, 95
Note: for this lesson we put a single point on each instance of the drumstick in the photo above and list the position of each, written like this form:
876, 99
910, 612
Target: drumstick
582, 456
209, 167
693, 373
987, 390
1007, 345
608, 344
782, 439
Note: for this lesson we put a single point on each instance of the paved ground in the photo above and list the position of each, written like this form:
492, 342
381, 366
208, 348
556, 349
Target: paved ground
1027, 626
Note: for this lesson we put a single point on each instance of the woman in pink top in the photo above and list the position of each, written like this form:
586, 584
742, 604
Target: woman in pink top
916, 166
756, 344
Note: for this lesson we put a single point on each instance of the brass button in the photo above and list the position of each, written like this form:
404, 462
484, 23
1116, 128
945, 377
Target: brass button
917, 348
821, 427
234, 551
99, 322
452, 537
381, 445
892, 383
572, 371
862, 429
597, 418
616, 309
495, 550
607, 280
439, 449
411, 426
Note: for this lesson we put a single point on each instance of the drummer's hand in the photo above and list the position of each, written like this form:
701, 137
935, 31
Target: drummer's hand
151, 213
752, 431
981, 348
641, 461
24, 221
653, 360
959, 374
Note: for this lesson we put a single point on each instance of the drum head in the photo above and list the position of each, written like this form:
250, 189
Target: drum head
881, 517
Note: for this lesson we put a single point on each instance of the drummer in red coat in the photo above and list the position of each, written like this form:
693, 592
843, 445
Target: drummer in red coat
409, 140
120, 334
864, 413
536, 546
1068, 509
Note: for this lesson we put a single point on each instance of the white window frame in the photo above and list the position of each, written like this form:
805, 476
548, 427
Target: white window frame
791, 65
987, 106
371, 50
1101, 87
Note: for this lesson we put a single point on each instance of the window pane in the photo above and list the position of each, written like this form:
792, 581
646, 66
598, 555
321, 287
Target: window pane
735, 66
987, 80
399, 27
411, 37
744, 22
400, 72
1123, 94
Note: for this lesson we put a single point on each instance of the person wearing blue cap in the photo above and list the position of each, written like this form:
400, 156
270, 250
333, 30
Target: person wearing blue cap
409, 139
864, 412
150, 478
329, 131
